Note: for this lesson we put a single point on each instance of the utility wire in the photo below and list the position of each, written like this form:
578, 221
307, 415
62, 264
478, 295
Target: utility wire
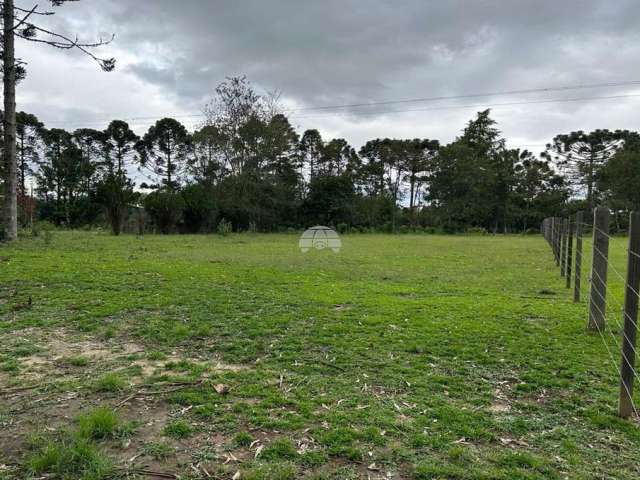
478, 105
418, 100
472, 95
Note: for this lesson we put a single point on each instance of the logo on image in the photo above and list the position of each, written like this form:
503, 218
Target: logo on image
319, 237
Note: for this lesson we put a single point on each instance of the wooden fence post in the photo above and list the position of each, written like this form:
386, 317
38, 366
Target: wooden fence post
599, 266
578, 272
631, 299
569, 260
563, 247
556, 238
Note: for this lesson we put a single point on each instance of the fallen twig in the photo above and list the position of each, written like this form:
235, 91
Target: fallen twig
144, 393
329, 364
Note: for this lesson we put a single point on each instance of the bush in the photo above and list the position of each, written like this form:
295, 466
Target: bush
342, 228
198, 207
477, 231
224, 227
404, 229
40, 227
165, 208
115, 193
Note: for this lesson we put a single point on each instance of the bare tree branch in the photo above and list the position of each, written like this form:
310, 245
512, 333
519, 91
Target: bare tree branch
66, 43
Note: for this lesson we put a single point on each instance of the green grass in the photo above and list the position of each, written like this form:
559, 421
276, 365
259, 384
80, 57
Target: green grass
178, 429
158, 450
428, 356
76, 361
99, 424
109, 382
70, 458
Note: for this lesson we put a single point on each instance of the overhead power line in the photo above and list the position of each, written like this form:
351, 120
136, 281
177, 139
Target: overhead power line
478, 105
405, 101
474, 95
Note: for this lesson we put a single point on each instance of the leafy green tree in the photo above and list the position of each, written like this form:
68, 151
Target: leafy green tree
115, 193
165, 207
208, 157
237, 112
372, 173
470, 179
199, 207
418, 156
620, 177
165, 151
338, 157
330, 200
539, 191
88, 141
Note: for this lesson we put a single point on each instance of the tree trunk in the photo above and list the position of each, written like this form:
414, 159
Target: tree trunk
11, 180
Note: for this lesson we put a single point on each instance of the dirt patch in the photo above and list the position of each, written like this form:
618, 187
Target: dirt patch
501, 402
53, 350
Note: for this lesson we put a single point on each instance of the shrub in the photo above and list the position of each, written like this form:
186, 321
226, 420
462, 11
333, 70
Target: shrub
477, 231
342, 228
224, 227
115, 193
198, 207
165, 208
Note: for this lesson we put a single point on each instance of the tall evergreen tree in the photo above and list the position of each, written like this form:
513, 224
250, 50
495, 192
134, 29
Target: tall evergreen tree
28, 135
581, 155
165, 151
119, 146
19, 22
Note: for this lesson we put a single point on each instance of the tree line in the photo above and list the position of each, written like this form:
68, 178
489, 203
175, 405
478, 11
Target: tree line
247, 167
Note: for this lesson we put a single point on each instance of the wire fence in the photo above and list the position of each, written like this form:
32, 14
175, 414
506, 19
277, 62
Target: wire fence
612, 299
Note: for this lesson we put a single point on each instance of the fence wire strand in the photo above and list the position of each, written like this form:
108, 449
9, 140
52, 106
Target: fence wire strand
608, 304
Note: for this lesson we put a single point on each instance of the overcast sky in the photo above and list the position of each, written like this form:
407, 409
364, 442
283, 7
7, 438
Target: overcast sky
171, 54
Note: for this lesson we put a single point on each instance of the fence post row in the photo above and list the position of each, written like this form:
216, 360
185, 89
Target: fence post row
559, 234
631, 299
599, 266
578, 272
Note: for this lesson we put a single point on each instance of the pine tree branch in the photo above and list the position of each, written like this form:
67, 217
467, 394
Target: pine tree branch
66, 43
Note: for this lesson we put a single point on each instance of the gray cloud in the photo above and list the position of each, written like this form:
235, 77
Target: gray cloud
173, 53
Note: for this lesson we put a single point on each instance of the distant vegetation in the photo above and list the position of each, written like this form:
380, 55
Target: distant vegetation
247, 167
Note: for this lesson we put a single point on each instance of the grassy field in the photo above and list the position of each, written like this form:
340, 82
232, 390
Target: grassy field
401, 357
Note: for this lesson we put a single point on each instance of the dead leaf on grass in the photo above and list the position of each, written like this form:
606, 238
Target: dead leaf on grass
221, 388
